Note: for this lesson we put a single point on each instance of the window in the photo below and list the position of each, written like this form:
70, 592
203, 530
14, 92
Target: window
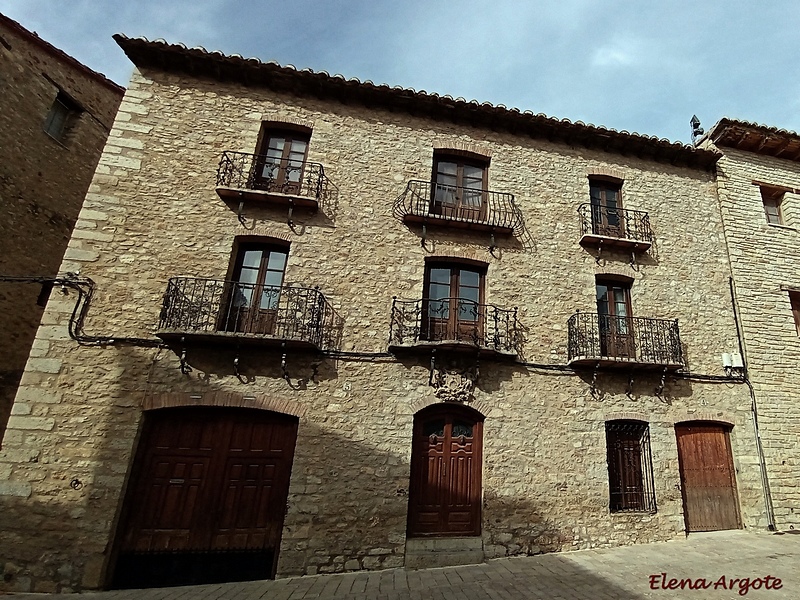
614, 318
281, 161
772, 198
62, 114
630, 466
794, 299
254, 292
606, 200
459, 187
452, 307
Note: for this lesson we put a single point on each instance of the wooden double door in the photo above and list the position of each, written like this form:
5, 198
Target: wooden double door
708, 480
207, 497
445, 492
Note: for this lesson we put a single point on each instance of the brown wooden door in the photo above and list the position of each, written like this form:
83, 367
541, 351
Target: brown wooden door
459, 189
607, 215
281, 161
253, 297
445, 494
708, 482
208, 482
453, 304
614, 319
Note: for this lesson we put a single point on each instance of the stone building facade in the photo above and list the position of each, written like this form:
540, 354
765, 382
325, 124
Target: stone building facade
478, 333
56, 116
759, 193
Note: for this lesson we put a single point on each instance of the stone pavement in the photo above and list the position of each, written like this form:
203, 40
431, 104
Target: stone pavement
614, 573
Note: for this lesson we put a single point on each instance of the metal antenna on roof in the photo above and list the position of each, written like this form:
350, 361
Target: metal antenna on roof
697, 131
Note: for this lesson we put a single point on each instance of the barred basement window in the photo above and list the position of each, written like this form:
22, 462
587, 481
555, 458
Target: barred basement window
630, 466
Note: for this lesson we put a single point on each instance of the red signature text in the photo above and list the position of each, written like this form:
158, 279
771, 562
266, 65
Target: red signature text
744, 584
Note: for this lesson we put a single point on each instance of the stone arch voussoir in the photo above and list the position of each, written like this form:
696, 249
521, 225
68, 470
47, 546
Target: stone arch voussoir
223, 399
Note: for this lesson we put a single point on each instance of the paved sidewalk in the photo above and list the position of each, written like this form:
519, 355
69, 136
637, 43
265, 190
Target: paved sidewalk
628, 573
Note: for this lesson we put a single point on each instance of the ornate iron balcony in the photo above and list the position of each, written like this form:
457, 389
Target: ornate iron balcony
217, 310
618, 227
428, 202
259, 177
624, 341
453, 323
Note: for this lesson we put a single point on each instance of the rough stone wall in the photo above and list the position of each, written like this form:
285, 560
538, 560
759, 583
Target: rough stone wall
764, 265
42, 181
152, 213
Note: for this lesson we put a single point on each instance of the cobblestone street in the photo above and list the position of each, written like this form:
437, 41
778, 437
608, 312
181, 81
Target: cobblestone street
721, 565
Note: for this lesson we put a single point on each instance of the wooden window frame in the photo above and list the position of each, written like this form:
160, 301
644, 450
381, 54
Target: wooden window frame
459, 209
249, 319
61, 116
630, 466
771, 199
606, 220
453, 323
616, 331
281, 181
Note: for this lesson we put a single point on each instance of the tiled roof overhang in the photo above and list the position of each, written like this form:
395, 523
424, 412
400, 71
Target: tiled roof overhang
199, 62
752, 137
60, 54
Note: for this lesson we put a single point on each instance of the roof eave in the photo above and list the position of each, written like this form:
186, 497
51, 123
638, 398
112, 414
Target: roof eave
199, 62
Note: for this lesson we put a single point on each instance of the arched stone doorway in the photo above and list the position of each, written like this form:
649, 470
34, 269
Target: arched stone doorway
446, 469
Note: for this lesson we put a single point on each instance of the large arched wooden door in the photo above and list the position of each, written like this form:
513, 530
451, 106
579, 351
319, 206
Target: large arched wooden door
708, 480
445, 494
207, 497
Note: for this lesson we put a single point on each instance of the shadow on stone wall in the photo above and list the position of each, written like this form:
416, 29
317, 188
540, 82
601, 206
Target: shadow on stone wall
636, 384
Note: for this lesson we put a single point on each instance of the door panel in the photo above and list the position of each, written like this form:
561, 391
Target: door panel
453, 310
607, 216
280, 163
614, 322
253, 301
459, 190
445, 494
708, 479
206, 481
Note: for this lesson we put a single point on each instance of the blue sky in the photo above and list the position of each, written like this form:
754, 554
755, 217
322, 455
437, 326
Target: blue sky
629, 65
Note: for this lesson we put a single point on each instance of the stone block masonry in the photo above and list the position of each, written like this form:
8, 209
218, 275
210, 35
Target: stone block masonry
544, 471
43, 180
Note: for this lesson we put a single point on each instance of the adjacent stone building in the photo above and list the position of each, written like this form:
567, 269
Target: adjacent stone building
56, 116
759, 192
337, 326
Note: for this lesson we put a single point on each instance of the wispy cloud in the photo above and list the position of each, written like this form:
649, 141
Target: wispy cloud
619, 63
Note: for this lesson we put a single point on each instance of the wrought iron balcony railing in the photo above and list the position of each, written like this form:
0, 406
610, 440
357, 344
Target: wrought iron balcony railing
610, 340
259, 176
615, 226
454, 322
430, 202
215, 309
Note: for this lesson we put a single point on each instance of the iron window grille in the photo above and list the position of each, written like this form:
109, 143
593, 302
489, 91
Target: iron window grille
259, 172
630, 467
458, 206
593, 337
433, 321
210, 306
615, 222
